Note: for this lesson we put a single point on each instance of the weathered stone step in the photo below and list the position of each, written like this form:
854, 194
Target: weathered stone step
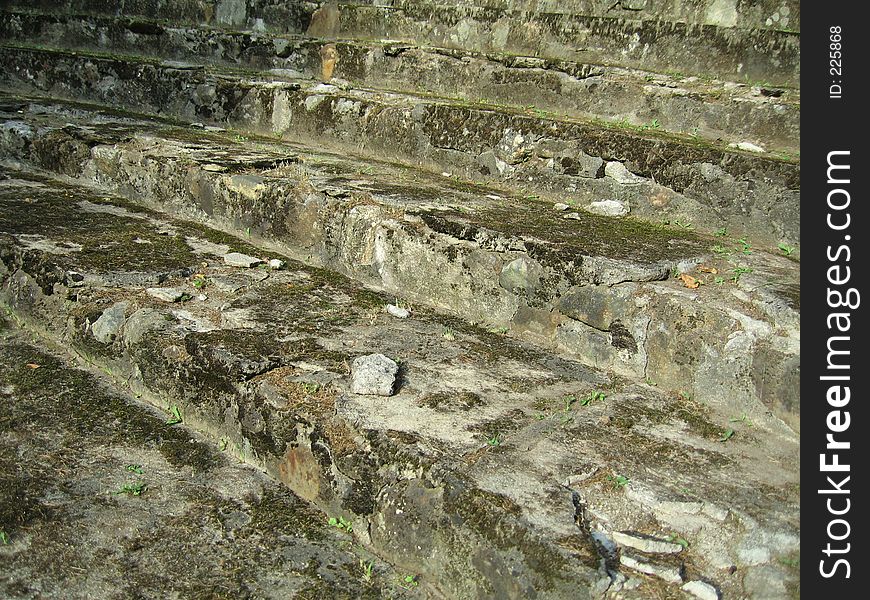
748, 55
600, 288
710, 110
494, 469
153, 509
658, 177
764, 14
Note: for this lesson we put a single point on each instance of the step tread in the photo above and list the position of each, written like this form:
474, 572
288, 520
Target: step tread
302, 326
652, 85
74, 452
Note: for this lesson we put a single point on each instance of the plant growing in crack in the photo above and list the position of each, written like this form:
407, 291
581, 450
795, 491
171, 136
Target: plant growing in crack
786, 249
592, 397
175, 417
341, 523
409, 582
677, 539
133, 489
618, 481
738, 271
367, 569
494, 441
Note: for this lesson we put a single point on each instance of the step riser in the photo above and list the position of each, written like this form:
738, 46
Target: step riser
749, 195
704, 50
610, 314
577, 90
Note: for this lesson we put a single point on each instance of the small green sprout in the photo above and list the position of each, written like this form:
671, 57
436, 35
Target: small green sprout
618, 481
592, 397
738, 271
494, 441
410, 581
719, 280
569, 400
746, 247
741, 419
175, 419
341, 523
786, 249
133, 489
134, 469
4, 538
720, 249
367, 570
684, 225
677, 540
727, 435
448, 334
722, 232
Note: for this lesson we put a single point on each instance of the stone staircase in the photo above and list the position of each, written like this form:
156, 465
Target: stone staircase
590, 213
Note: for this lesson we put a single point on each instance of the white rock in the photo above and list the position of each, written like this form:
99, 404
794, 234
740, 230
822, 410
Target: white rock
701, 590
561, 206
398, 311
748, 146
646, 544
610, 208
276, 264
618, 171
166, 294
573, 216
663, 572
373, 374
237, 259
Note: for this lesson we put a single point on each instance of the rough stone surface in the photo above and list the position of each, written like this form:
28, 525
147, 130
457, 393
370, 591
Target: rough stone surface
237, 259
610, 208
701, 590
167, 294
107, 327
646, 543
374, 375
668, 573
398, 311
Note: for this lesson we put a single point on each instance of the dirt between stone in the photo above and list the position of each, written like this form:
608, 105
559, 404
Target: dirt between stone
498, 469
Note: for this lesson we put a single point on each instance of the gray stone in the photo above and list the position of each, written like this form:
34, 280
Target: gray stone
106, 328
237, 259
276, 263
493, 164
229, 283
645, 544
141, 322
398, 311
669, 573
520, 274
561, 206
166, 294
618, 172
701, 590
373, 374
609, 208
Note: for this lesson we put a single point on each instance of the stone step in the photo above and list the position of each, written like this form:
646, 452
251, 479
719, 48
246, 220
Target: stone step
765, 14
717, 50
747, 55
154, 509
709, 110
600, 288
494, 469
656, 176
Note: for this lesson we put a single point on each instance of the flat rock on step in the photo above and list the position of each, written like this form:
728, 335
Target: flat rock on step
374, 374
646, 543
237, 259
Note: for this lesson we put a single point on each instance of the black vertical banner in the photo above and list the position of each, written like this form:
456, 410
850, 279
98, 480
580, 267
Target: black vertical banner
834, 272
